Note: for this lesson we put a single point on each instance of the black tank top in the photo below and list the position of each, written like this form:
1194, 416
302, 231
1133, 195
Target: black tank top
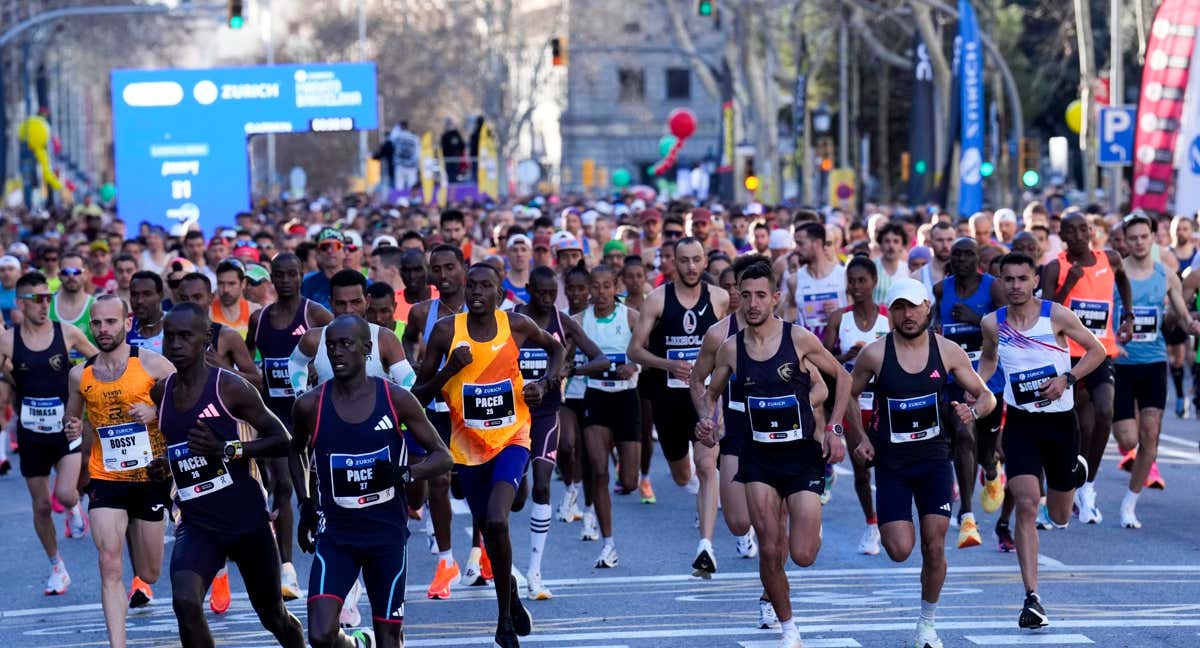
678, 334
534, 361
776, 395
276, 346
222, 496
356, 505
41, 382
735, 400
909, 423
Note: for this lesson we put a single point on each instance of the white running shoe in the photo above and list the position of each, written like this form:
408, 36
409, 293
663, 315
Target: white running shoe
537, 590
926, 635
608, 557
472, 575
1088, 512
869, 543
77, 522
1129, 518
59, 580
747, 545
693, 485
591, 530
289, 583
1043, 522
791, 641
350, 617
766, 614
569, 511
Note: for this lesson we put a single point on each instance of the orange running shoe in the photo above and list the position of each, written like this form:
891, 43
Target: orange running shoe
218, 596
1126, 462
485, 564
140, 593
447, 570
1155, 479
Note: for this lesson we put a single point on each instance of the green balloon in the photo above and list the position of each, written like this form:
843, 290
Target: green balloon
665, 144
107, 192
621, 177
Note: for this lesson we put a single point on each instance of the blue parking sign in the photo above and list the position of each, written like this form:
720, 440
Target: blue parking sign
1116, 135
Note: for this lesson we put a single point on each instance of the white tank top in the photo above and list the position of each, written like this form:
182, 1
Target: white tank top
849, 334
375, 368
1030, 359
612, 336
812, 294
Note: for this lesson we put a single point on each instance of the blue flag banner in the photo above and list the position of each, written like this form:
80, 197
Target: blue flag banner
970, 70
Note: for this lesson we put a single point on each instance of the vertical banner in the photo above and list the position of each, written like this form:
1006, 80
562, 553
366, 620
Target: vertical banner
489, 163
921, 142
1187, 152
429, 168
1160, 106
726, 182
970, 193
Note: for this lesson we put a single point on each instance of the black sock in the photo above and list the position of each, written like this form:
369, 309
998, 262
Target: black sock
1177, 378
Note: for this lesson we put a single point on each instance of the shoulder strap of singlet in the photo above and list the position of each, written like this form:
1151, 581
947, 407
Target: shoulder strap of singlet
166, 393
1002, 314
133, 351
312, 443
387, 392
304, 309
431, 319
264, 319
1047, 306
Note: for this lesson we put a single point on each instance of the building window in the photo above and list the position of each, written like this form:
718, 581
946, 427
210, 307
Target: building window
679, 83
632, 28
632, 84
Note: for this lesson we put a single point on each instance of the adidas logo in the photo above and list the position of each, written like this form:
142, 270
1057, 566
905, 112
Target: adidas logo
210, 411
945, 507
384, 423
935, 374
300, 330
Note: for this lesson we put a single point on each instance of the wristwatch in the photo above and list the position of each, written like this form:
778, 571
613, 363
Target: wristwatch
1071, 379
233, 450
836, 428
974, 413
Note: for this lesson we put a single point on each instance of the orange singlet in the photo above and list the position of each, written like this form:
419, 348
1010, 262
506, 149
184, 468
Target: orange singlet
241, 324
123, 446
1091, 299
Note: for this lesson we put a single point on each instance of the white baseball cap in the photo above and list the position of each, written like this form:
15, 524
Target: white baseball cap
753, 209
780, 240
518, 239
1006, 215
384, 240
907, 289
10, 261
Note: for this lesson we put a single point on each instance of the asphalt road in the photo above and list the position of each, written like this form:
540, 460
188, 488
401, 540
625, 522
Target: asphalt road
1102, 585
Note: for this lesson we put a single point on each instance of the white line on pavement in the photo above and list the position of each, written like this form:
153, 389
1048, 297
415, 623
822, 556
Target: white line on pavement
1047, 561
808, 643
1028, 639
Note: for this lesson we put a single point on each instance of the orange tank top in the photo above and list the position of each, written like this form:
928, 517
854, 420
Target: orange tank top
1091, 299
241, 324
122, 447
487, 408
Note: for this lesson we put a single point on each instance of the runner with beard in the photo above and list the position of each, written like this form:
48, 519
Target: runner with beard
227, 349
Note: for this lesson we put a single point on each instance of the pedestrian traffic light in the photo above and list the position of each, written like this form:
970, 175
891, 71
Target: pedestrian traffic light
557, 55
920, 167
1030, 178
236, 19
1030, 159
827, 165
987, 169
704, 8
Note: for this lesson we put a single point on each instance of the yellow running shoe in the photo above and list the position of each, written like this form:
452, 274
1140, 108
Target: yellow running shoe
968, 533
992, 496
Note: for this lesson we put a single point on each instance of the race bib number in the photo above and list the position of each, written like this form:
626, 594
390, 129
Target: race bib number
610, 381
681, 354
1093, 314
125, 446
967, 336
775, 419
355, 484
733, 395
813, 308
196, 476
278, 377
42, 415
533, 363
1145, 323
866, 401
1027, 386
488, 406
914, 419
576, 385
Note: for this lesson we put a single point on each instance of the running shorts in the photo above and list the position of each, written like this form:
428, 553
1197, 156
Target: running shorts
800, 467
1139, 386
1102, 375
620, 412
543, 434
675, 419
204, 552
42, 452
1042, 442
737, 433
146, 501
384, 572
928, 483
477, 482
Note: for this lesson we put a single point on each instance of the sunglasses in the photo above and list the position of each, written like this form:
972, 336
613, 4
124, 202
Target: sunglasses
37, 298
174, 283
330, 246
672, 233
71, 272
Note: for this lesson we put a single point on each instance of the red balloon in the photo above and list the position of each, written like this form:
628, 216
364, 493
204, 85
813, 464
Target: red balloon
682, 123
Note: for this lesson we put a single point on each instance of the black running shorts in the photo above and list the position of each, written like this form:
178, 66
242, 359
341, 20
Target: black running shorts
1139, 386
620, 412
147, 501
383, 568
928, 483
800, 466
675, 420
42, 452
204, 552
1102, 375
1047, 442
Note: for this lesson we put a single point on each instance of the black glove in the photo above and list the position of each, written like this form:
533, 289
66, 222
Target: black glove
159, 470
398, 476
306, 531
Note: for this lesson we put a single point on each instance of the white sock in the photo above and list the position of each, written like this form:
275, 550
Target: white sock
539, 529
573, 487
56, 560
446, 556
1087, 489
927, 610
1130, 500
4, 445
705, 544
789, 628
590, 510
608, 542
966, 516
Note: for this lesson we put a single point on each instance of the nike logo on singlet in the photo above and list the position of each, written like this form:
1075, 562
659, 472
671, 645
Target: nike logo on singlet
703, 311
497, 347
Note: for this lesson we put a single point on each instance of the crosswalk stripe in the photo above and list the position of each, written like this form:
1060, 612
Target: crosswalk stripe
1029, 639
808, 643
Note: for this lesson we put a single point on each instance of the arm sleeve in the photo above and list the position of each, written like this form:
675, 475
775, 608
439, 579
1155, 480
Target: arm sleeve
402, 374
298, 371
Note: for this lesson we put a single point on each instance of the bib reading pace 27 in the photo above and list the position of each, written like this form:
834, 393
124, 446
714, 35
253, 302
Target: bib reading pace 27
180, 136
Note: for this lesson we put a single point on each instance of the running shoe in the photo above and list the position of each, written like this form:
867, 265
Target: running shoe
350, 617
1180, 407
647, 491
472, 576
766, 614
591, 531
446, 572
992, 496
1129, 517
219, 597
506, 636
537, 590
608, 557
289, 584
569, 511
926, 635
76, 522
1033, 615
522, 621
1155, 479
55, 505
705, 565
747, 545
5, 466
693, 484
363, 638
1004, 539
1089, 513
968, 533
1126, 462
1043, 522
485, 564
59, 580
140, 593
869, 543
791, 641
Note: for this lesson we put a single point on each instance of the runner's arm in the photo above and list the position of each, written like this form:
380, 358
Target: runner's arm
76, 340
438, 461
413, 329
637, 351
830, 339
300, 359
252, 330
391, 352
723, 365
1178, 305
597, 362
529, 330
430, 378
240, 358
1067, 323
866, 367
317, 315
303, 424
809, 348
706, 361
1125, 320
958, 364
989, 355
245, 402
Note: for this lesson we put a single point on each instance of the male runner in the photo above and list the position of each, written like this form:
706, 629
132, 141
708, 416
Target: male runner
146, 304
962, 299
783, 462
908, 442
819, 285
941, 237
129, 490
1141, 369
230, 307
355, 520
665, 342
72, 304
489, 409
38, 351
381, 307
214, 425
1041, 435
227, 348
1083, 280
273, 332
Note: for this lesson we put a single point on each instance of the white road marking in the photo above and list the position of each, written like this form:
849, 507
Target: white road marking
1028, 639
1047, 561
808, 643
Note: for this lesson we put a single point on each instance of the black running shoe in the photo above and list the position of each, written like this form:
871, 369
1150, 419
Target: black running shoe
522, 621
1004, 539
506, 637
1033, 615
704, 565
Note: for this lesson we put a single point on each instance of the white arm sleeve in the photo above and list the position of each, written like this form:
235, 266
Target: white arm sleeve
402, 374
298, 371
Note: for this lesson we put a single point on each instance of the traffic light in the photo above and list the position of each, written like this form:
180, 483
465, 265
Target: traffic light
751, 182
1030, 178
827, 164
236, 19
1030, 160
704, 8
558, 56
987, 169
905, 166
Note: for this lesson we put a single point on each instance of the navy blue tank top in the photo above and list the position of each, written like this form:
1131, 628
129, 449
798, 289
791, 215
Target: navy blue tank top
40, 381
909, 424
355, 504
534, 361
677, 335
735, 400
969, 336
776, 395
222, 496
275, 346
